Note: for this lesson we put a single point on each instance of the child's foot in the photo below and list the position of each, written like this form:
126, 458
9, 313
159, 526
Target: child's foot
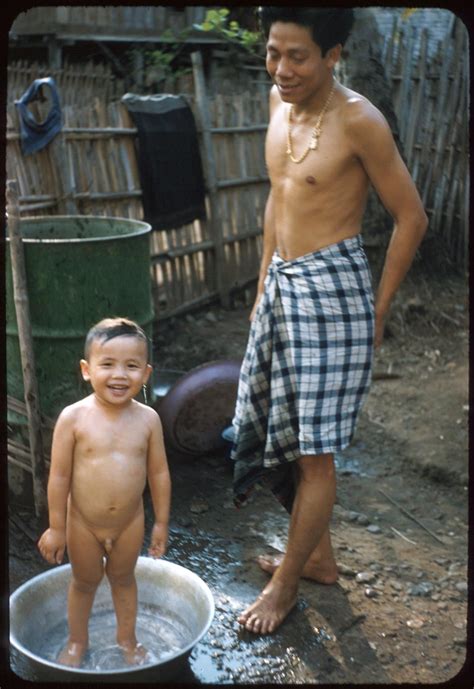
133, 652
72, 654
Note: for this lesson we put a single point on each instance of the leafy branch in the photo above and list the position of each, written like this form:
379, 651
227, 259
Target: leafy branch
217, 22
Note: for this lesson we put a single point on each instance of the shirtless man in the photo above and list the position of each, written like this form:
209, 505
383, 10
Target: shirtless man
307, 367
104, 449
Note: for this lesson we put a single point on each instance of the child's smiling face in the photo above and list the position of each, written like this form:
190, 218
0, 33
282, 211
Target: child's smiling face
117, 368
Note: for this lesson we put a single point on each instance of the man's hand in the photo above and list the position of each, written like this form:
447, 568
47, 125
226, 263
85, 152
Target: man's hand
255, 307
159, 540
52, 545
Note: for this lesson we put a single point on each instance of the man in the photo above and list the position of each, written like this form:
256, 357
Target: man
308, 363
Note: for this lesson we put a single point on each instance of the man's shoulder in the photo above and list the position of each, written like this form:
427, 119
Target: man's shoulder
358, 110
358, 107
275, 100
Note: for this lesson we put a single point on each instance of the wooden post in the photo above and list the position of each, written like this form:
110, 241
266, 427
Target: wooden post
20, 293
211, 175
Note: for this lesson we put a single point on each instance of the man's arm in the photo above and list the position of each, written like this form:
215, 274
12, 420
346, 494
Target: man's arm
160, 487
269, 234
269, 246
53, 541
375, 147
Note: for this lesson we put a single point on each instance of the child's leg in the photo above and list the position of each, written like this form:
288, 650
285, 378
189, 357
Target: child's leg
86, 558
120, 569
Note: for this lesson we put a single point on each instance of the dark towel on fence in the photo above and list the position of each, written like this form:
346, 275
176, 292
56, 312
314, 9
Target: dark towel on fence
36, 135
307, 367
169, 160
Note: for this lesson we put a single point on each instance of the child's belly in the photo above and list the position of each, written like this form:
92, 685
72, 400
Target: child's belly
109, 501
107, 523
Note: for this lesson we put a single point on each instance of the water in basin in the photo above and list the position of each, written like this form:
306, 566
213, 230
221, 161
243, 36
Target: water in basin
161, 632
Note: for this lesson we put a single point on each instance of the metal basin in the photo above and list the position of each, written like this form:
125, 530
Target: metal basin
199, 406
176, 609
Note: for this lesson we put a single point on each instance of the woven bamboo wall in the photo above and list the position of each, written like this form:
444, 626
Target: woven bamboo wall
91, 169
185, 263
77, 84
128, 21
431, 103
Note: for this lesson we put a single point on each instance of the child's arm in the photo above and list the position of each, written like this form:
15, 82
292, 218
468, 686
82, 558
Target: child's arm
53, 542
160, 489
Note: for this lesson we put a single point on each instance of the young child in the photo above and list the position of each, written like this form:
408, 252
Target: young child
104, 449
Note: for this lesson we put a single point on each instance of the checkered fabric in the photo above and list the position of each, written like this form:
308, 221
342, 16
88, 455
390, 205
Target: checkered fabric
307, 368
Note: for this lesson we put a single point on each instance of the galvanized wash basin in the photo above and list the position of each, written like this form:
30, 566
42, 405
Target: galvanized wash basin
176, 609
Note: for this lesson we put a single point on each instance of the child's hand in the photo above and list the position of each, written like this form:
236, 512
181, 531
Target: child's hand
52, 545
159, 540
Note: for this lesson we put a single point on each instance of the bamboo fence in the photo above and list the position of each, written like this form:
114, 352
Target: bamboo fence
431, 102
140, 22
91, 167
77, 84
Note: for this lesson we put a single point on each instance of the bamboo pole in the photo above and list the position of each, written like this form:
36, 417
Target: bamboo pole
20, 292
201, 100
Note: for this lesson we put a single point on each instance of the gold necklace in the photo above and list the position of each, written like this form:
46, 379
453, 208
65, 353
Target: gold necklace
315, 134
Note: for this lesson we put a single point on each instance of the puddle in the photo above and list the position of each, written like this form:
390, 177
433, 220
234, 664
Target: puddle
228, 654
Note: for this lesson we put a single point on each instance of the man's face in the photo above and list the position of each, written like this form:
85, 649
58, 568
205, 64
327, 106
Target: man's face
294, 61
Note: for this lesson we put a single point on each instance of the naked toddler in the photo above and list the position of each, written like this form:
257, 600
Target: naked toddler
104, 449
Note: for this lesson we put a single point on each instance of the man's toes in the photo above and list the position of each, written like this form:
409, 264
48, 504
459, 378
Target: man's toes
244, 616
264, 559
268, 563
265, 563
253, 624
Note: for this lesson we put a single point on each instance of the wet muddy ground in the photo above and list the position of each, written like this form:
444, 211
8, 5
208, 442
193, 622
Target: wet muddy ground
398, 613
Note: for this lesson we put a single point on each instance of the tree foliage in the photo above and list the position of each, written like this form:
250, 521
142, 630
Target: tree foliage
218, 22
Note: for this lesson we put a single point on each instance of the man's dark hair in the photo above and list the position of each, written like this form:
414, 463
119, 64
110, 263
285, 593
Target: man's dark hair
109, 328
328, 26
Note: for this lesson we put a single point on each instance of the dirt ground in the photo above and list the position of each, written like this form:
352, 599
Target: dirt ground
398, 613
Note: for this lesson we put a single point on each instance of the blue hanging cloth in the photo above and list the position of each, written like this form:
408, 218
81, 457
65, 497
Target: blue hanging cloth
36, 135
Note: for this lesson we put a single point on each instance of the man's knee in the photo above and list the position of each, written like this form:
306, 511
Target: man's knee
317, 467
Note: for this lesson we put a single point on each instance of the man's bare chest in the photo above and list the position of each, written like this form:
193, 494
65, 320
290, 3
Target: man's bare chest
323, 167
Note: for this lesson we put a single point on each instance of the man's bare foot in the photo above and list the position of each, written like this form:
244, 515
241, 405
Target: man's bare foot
133, 652
323, 573
270, 608
72, 654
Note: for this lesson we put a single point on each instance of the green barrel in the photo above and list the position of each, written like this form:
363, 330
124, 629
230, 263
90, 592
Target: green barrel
79, 270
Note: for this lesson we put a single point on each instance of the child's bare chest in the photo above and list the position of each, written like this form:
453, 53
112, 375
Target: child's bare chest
115, 442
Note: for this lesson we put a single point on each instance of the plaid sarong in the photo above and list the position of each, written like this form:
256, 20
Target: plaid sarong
307, 367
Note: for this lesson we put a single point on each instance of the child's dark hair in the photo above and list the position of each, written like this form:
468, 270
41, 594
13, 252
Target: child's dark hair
329, 26
108, 328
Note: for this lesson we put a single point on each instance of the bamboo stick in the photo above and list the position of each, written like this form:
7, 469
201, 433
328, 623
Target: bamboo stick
201, 99
20, 291
20, 408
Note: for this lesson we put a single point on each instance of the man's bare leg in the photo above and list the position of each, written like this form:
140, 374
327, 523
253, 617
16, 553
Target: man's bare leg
312, 508
320, 566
